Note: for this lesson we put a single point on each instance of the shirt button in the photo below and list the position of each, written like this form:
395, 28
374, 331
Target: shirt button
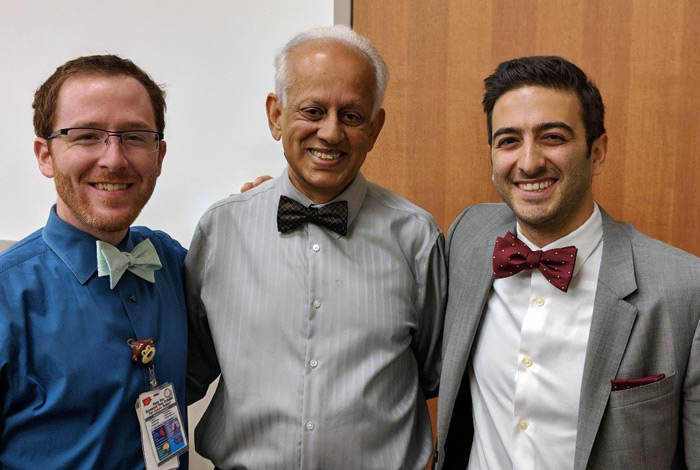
539, 301
310, 425
527, 361
313, 363
132, 297
522, 425
317, 303
316, 247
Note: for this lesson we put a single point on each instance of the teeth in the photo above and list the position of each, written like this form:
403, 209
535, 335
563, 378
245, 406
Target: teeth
111, 187
536, 186
325, 156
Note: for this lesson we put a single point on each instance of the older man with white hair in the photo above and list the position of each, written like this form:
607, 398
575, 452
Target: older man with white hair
318, 296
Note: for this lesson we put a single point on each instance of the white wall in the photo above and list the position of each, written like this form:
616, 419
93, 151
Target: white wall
215, 58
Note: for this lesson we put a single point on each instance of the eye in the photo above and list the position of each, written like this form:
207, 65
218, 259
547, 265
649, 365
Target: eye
311, 113
554, 139
136, 138
351, 118
506, 142
85, 136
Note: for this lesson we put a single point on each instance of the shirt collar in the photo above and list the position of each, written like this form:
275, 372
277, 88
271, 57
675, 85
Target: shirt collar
77, 249
353, 194
586, 239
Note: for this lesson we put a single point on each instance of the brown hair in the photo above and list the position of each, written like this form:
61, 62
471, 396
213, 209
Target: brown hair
46, 96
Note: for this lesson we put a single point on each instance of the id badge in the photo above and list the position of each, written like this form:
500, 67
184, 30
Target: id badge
163, 435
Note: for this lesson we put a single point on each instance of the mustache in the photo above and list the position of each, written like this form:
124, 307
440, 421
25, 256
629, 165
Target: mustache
119, 176
538, 173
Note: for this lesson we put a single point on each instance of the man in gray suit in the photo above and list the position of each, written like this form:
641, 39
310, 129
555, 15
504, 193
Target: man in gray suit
571, 340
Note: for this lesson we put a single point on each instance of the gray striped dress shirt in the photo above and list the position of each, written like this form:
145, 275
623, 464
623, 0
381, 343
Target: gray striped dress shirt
327, 345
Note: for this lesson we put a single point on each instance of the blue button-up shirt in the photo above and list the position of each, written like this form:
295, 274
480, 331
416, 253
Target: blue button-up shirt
68, 387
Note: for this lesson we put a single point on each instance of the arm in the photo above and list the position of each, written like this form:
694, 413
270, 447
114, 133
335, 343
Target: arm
202, 363
430, 308
690, 407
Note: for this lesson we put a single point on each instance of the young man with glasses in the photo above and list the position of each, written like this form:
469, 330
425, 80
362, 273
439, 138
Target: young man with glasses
78, 293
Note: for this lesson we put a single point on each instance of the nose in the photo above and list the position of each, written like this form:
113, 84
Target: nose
330, 130
114, 156
531, 161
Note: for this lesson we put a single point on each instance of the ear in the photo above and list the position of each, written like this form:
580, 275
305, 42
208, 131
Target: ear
274, 114
375, 127
599, 149
161, 155
43, 156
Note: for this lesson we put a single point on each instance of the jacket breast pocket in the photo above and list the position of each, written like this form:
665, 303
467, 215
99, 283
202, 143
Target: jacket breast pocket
640, 427
643, 393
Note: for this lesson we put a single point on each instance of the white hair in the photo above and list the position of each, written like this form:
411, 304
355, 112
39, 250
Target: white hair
341, 34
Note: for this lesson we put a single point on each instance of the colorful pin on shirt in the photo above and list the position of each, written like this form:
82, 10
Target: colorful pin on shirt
142, 351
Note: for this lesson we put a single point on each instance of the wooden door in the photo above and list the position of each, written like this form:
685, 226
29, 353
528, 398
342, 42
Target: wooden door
643, 55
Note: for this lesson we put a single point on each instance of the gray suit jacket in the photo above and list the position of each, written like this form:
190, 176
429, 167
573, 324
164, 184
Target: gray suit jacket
645, 322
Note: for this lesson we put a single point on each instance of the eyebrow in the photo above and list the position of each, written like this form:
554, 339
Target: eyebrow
545, 126
322, 104
506, 130
130, 125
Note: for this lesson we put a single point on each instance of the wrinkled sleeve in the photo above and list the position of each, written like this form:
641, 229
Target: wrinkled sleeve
5, 355
202, 363
430, 307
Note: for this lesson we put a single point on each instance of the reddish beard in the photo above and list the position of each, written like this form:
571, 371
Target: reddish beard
82, 208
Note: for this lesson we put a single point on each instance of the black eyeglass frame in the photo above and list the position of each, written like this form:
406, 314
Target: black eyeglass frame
119, 134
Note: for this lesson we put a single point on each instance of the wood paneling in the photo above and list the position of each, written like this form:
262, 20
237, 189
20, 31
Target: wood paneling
642, 54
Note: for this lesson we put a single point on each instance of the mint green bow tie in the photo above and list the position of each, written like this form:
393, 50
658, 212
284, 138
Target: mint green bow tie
142, 261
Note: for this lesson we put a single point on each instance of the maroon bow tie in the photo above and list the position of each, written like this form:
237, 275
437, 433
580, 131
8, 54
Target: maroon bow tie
510, 256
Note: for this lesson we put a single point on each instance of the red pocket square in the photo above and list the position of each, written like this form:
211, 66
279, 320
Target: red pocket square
624, 384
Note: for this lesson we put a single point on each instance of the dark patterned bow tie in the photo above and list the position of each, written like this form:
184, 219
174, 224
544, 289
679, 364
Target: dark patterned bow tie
291, 214
510, 256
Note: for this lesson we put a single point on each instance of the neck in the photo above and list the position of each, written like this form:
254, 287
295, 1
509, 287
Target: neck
113, 238
543, 234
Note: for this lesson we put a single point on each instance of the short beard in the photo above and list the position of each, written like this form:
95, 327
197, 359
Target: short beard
82, 211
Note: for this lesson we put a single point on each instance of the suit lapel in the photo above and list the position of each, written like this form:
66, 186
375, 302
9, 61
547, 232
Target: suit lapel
611, 326
470, 268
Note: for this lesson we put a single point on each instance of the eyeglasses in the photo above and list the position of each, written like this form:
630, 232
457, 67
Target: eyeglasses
89, 138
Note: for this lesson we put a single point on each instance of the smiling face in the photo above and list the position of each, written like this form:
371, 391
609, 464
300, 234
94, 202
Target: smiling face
326, 125
541, 165
103, 190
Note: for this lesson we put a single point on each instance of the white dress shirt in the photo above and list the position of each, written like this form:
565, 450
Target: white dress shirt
526, 368
327, 344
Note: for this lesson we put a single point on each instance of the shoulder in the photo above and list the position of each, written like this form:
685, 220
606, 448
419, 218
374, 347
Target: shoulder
26, 250
479, 221
250, 200
655, 251
164, 243
656, 266
644, 246
402, 208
